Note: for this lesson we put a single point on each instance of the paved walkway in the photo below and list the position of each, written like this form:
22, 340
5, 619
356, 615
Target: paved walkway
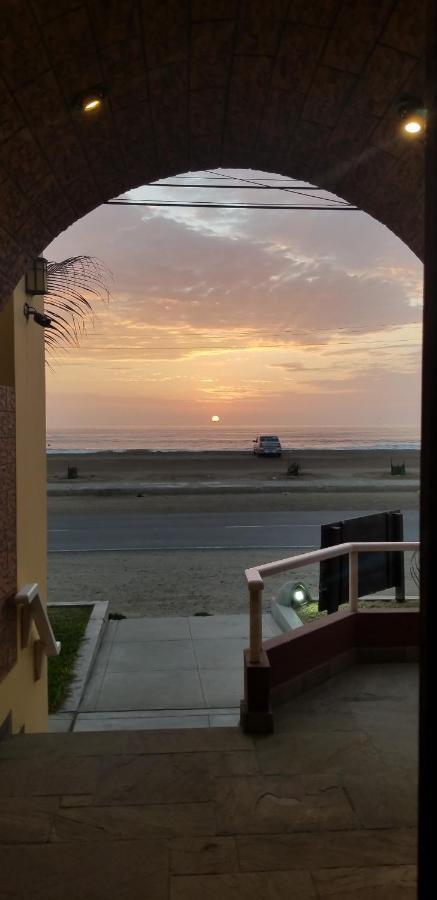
178, 672
324, 808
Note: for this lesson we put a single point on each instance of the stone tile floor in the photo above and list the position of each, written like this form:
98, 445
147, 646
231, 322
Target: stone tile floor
179, 672
324, 808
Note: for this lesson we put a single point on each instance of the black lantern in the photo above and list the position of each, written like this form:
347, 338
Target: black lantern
36, 277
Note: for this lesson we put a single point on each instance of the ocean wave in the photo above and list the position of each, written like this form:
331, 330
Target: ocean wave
210, 440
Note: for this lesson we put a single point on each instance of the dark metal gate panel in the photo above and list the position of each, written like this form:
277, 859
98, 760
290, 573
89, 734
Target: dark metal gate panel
376, 571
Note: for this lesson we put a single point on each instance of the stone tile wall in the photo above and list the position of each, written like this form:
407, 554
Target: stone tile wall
308, 90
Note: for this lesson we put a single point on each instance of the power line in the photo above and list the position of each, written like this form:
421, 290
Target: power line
235, 187
205, 205
375, 346
279, 188
243, 337
364, 329
229, 177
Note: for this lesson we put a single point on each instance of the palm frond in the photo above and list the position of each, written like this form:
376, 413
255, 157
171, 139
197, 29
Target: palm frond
74, 285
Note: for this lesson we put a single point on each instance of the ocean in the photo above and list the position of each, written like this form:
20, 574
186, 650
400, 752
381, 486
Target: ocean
213, 438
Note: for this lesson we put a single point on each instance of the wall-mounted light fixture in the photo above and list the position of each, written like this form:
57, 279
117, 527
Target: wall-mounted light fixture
412, 114
39, 317
36, 277
91, 100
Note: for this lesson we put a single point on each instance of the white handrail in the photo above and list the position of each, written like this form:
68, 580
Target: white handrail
33, 610
255, 583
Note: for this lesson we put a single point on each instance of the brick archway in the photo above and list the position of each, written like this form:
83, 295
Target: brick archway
308, 90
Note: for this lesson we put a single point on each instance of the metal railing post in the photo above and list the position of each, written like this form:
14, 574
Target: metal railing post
256, 637
353, 581
33, 611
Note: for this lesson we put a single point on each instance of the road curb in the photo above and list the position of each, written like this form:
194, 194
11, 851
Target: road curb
132, 489
86, 655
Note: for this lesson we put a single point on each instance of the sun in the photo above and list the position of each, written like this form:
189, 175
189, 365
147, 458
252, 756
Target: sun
215, 418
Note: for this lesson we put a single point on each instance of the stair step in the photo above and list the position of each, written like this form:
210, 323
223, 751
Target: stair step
139, 720
112, 743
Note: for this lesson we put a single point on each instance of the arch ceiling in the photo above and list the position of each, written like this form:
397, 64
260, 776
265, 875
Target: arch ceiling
305, 88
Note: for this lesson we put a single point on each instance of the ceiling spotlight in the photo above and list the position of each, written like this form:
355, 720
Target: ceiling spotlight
38, 317
91, 101
412, 114
413, 126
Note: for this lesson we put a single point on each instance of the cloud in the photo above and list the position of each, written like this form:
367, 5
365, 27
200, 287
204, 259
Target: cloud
224, 294
165, 273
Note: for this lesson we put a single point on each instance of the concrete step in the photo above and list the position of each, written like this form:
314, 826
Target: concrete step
40, 747
139, 720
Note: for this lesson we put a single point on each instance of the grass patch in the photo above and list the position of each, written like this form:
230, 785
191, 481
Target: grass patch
310, 611
69, 627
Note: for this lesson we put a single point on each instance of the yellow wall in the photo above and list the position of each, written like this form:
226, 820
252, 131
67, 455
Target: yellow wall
19, 693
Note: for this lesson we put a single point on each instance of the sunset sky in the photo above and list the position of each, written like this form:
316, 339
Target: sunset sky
269, 318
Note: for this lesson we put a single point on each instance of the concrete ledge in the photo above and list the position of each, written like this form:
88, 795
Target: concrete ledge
87, 652
285, 616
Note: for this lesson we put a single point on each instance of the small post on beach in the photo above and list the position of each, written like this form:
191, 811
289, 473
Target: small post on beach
255, 593
353, 581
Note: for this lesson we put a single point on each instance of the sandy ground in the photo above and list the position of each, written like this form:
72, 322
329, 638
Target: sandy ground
170, 583
186, 582
192, 467
248, 502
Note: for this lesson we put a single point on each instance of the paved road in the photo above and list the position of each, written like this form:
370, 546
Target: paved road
197, 531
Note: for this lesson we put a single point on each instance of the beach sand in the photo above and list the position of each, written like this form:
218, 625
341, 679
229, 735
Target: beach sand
173, 583
185, 582
371, 465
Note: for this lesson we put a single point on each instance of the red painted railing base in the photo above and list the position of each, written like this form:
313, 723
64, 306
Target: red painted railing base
299, 660
256, 716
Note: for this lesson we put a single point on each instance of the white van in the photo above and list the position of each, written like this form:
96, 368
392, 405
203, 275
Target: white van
267, 445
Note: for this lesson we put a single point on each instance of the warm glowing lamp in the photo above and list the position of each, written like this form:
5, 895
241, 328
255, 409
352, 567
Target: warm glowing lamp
413, 116
413, 126
91, 101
